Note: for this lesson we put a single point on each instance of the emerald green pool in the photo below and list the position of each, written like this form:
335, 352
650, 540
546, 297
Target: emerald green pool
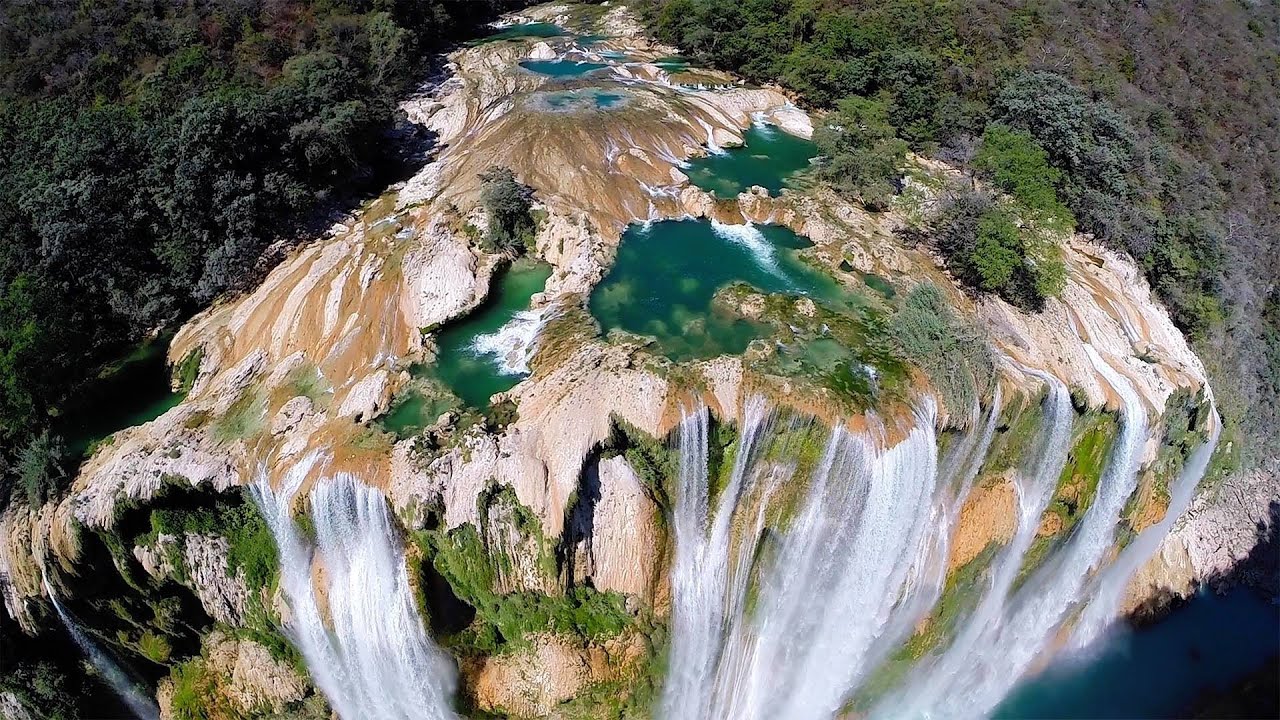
129, 392
667, 274
578, 99
770, 158
523, 30
482, 354
562, 68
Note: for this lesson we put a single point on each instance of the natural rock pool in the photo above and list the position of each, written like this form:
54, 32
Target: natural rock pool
484, 353
770, 157
666, 276
562, 68
523, 30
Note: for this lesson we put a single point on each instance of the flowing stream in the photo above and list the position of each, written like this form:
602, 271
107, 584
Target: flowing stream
351, 608
138, 702
933, 683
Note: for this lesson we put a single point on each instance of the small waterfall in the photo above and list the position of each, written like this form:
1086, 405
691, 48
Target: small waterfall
826, 588
749, 236
1105, 605
372, 659
933, 683
513, 345
139, 703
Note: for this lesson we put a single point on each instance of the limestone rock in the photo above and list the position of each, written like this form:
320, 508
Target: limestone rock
367, 398
623, 540
224, 595
532, 682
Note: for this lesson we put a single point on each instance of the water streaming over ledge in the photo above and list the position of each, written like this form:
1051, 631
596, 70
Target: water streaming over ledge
987, 666
352, 613
783, 625
138, 702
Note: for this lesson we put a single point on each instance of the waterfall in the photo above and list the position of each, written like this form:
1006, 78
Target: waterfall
1105, 605
1026, 625
512, 346
825, 588
933, 683
139, 703
372, 659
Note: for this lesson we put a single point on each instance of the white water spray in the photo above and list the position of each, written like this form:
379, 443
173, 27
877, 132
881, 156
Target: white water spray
932, 685
513, 345
373, 659
750, 238
1105, 605
138, 702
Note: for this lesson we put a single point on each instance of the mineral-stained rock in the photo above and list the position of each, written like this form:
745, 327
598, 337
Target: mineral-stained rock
623, 544
1217, 540
530, 683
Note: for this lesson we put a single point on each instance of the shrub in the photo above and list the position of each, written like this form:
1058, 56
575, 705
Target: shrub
954, 353
39, 469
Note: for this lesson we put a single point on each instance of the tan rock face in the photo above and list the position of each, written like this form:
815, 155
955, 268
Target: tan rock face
989, 514
620, 539
531, 683
1216, 534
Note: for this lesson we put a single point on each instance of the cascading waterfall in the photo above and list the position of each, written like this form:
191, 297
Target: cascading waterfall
138, 702
850, 556
1026, 626
932, 683
373, 659
1105, 604
513, 345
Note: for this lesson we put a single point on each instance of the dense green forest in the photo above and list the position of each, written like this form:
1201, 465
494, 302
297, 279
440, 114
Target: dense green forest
1153, 125
151, 151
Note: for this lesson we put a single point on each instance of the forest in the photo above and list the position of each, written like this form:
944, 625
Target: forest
152, 152
1154, 126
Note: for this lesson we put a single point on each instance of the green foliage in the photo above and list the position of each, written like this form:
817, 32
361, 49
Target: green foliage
510, 205
1177, 168
989, 245
861, 156
154, 647
953, 352
149, 152
39, 469
252, 548
503, 622
1015, 163
185, 372
243, 419
193, 689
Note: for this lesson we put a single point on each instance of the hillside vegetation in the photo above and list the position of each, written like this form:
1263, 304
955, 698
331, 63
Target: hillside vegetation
150, 152
1155, 127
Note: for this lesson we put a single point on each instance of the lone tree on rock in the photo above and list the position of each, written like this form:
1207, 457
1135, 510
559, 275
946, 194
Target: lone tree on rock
510, 207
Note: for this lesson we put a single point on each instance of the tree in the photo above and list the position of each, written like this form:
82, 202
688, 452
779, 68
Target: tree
1015, 163
861, 154
510, 207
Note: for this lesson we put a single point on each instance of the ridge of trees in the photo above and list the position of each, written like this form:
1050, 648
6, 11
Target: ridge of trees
151, 151
1154, 127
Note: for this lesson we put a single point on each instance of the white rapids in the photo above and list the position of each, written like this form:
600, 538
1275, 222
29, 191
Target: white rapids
1009, 643
372, 659
513, 345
